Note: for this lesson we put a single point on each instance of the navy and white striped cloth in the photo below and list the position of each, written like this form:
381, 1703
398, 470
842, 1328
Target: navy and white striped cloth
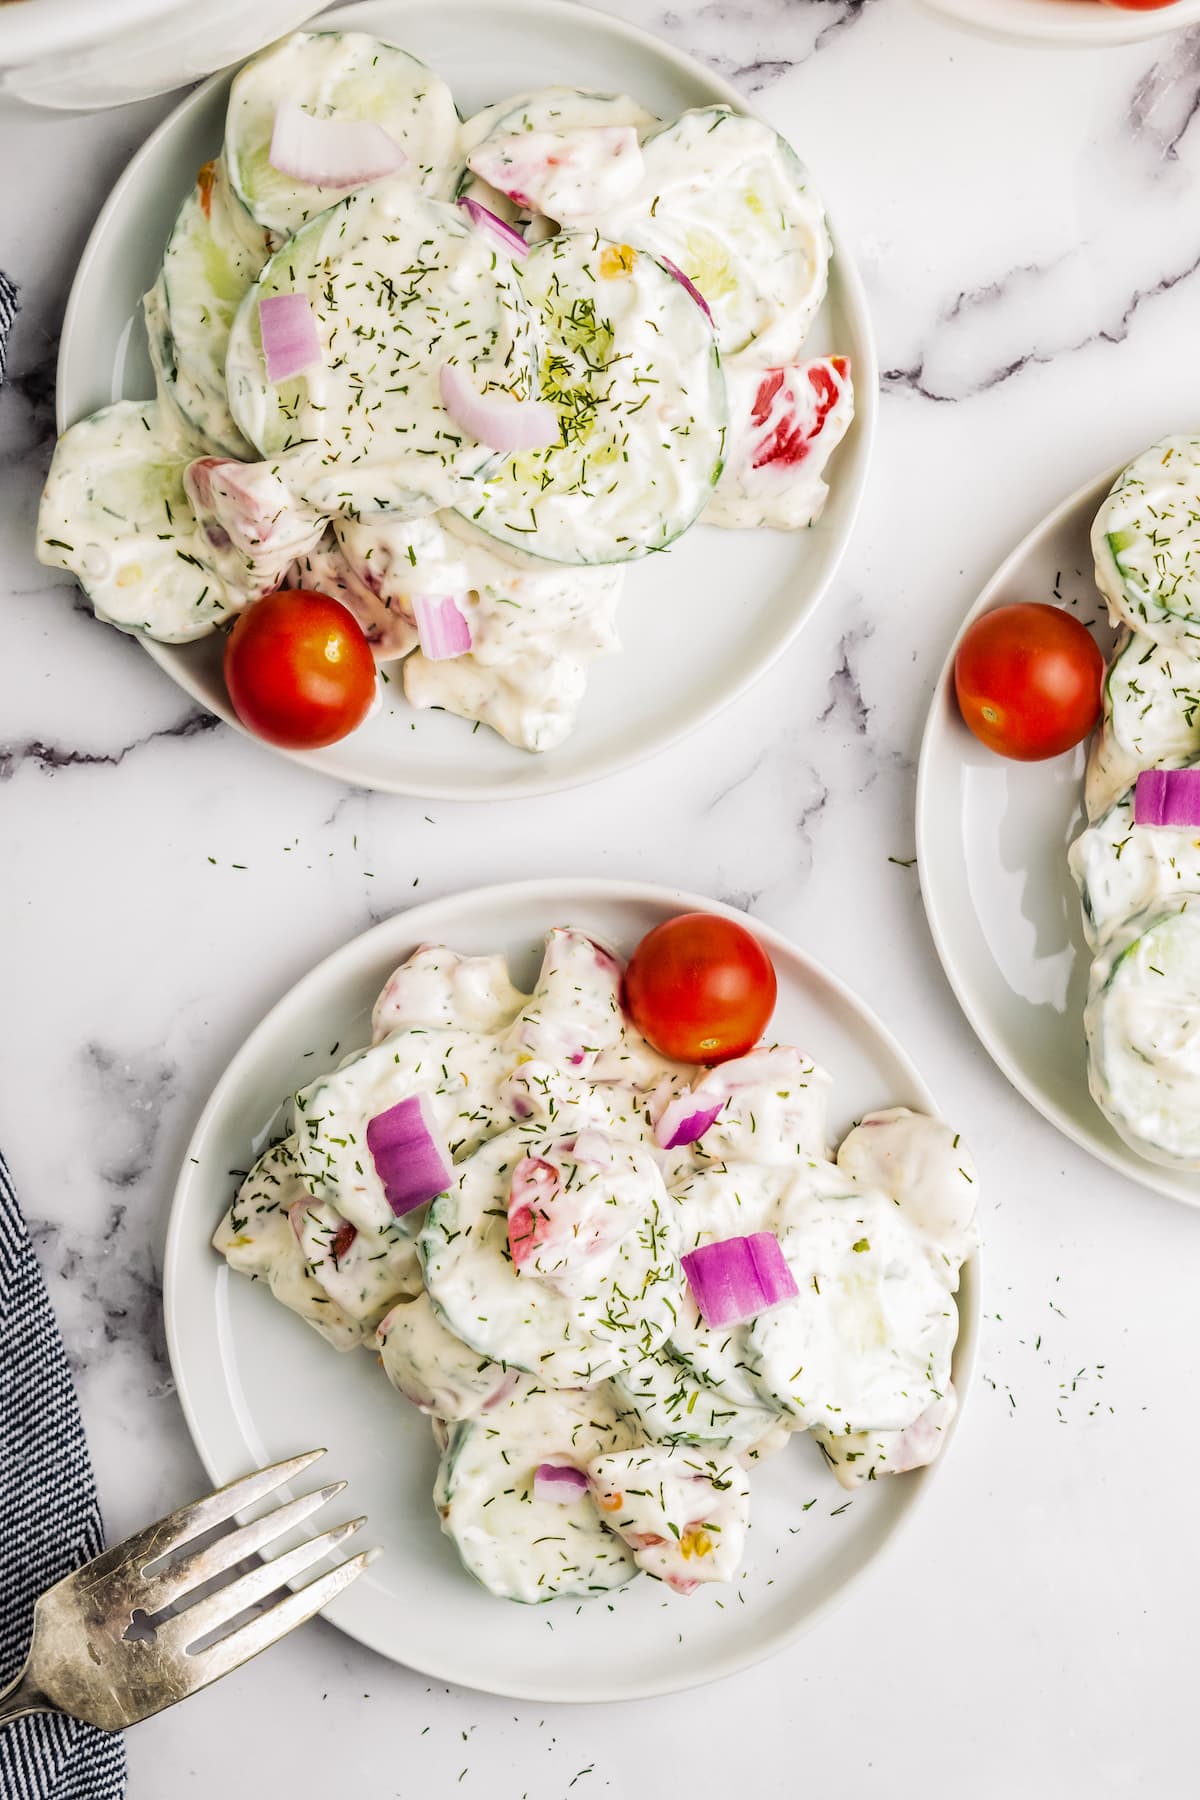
49, 1514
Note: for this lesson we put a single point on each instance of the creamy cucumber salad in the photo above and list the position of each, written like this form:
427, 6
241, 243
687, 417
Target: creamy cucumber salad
614, 1283
1137, 862
456, 375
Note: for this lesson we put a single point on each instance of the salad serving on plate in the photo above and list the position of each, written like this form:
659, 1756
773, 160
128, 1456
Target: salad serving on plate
597, 1234
453, 377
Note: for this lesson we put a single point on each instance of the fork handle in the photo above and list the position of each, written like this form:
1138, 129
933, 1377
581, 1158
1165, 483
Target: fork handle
20, 1698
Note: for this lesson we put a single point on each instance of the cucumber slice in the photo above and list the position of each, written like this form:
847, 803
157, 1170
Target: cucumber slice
1142, 1023
433, 1368
515, 1545
115, 513
1122, 869
213, 255
574, 1314
674, 1407
460, 1071
1146, 543
867, 1341
546, 109
732, 1199
438, 987
342, 75
729, 202
256, 1239
398, 285
632, 371
1151, 715
922, 1164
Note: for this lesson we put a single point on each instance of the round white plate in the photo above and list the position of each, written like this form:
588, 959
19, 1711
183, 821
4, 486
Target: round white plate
257, 1384
1066, 24
992, 840
699, 624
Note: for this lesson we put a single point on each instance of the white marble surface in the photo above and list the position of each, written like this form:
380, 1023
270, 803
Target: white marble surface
1027, 227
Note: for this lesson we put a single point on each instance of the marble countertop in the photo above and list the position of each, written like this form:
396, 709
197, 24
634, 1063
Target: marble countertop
1027, 228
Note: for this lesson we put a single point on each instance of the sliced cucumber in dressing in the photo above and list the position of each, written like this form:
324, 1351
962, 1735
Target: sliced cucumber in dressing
213, 255
398, 286
517, 1546
1146, 543
1151, 715
1122, 869
115, 513
729, 202
632, 371
337, 75
1142, 1023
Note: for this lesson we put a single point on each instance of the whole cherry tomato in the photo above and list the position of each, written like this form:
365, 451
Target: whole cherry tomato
1028, 679
700, 988
299, 670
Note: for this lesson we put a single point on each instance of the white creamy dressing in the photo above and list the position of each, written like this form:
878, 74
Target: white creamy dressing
1122, 868
568, 176
1146, 543
398, 286
555, 110
337, 74
538, 1311
533, 630
214, 253
730, 203
1151, 717
683, 1514
1142, 1023
1140, 884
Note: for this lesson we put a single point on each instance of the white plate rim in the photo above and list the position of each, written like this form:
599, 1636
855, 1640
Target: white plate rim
1064, 24
418, 923
537, 777
1119, 1157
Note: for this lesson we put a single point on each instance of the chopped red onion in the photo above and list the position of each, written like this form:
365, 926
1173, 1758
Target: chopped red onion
683, 1121
1167, 797
739, 1277
509, 237
496, 419
290, 340
441, 627
410, 1160
560, 1483
331, 153
688, 285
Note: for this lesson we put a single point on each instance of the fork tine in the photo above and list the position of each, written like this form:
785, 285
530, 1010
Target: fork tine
190, 1521
267, 1629
225, 1604
159, 1591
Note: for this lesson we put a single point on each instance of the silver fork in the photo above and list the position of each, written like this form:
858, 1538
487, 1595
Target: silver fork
91, 1658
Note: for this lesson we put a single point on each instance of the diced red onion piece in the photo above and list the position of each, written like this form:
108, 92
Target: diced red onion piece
1167, 797
331, 153
290, 340
688, 285
682, 1121
509, 237
497, 420
411, 1162
441, 627
737, 1278
558, 1482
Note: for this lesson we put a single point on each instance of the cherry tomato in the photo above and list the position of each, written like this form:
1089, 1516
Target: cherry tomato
1028, 679
1139, 5
701, 988
299, 670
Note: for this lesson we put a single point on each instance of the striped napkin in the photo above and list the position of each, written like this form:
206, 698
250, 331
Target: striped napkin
49, 1515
